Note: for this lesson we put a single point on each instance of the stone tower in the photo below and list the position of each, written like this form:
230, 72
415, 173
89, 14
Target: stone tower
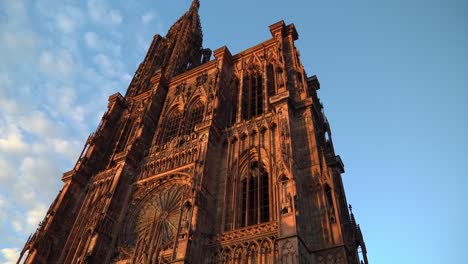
224, 160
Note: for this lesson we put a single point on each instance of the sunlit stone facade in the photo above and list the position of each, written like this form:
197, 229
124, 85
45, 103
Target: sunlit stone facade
224, 160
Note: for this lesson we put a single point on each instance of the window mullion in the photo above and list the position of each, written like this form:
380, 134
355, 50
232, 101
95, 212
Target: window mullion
259, 191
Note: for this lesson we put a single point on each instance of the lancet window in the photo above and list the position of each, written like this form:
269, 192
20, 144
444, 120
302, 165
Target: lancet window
328, 196
257, 252
271, 80
254, 196
252, 95
194, 116
234, 98
171, 126
178, 124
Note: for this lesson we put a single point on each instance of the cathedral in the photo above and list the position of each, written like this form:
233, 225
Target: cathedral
208, 158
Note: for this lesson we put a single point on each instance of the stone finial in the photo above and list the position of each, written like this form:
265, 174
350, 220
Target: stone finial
195, 4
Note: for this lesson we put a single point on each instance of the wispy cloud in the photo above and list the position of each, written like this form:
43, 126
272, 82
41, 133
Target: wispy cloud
96, 43
55, 78
69, 19
100, 12
12, 141
47, 94
148, 17
57, 63
10, 255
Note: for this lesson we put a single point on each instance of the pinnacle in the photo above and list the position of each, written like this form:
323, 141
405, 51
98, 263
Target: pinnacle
195, 4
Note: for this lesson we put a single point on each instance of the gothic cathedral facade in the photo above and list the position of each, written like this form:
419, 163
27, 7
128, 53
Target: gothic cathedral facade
224, 160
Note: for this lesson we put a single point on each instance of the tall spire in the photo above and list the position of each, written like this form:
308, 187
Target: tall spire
179, 51
184, 42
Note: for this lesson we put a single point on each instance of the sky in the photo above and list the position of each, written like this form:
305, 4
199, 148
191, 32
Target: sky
394, 80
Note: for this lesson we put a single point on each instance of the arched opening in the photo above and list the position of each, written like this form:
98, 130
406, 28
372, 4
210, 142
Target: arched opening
328, 196
194, 117
234, 98
252, 254
254, 195
266, 252
360, 254
23, 257
239, 256
271, 82
252, 95
171, 126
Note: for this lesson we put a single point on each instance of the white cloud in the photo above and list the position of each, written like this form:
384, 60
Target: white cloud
99, 11
57, 64
2, 208
36, 215
105, 63
12, 41
17, 225
143, 42
6, 174
94, 42
15, 40
126, 78
148, 17
91, 40
65, 147
13, 142
110, 67
37, 123
69, 19
115, 16
11, 255
47, 111
37, 171
7, 105
66, 24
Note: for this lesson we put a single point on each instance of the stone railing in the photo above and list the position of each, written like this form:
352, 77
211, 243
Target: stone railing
178, 153
248, 232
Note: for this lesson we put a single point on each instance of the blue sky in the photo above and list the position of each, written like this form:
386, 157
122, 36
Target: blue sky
394, 78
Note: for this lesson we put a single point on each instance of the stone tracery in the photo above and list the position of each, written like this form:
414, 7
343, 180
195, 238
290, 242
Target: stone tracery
156, 225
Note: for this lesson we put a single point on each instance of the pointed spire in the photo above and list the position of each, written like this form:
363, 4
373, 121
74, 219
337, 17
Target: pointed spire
195, 5
184, 40
180, 50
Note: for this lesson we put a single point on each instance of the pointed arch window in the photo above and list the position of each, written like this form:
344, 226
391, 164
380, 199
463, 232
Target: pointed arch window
271, 80
252, 95
171, 126
266, 252
234, 98
328, 196
194, 116
254, 196
178, 124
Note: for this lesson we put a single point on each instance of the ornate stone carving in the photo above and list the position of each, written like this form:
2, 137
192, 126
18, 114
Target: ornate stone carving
250, 231
157, 222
